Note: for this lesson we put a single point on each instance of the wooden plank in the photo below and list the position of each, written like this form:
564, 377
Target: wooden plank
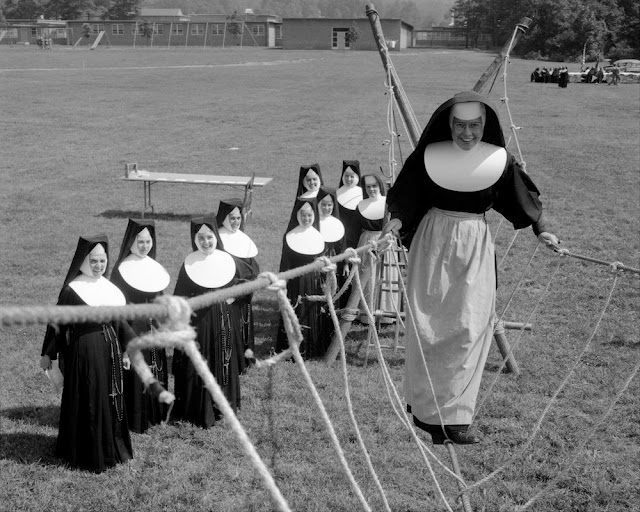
207, 179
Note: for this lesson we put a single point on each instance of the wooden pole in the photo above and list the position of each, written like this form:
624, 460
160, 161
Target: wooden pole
413, 126
505, 349
521, 28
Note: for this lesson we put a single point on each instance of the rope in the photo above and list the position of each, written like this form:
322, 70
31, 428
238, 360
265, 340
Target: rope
347, 392
177, 331
517, 342
26, 315
294, 334
536, 428
614, 265
388, 380
546, 490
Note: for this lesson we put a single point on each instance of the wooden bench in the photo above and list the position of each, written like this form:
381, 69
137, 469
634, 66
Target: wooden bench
132, 173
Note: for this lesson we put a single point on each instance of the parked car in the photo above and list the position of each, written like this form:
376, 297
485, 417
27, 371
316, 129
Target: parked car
625, 65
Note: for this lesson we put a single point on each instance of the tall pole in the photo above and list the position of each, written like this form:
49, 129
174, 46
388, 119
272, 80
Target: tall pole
406, 111
521, 28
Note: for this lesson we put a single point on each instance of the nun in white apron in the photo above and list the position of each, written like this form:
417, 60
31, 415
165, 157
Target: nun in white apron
301, 245
219, 334
93, 432
230, 220
309, 181
459, 170
141, 279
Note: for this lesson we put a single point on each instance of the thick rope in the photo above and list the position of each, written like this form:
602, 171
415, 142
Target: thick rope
294, 334
184, 339
389, 380
347, 393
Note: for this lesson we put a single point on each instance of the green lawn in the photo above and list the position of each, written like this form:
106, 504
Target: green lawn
71, 119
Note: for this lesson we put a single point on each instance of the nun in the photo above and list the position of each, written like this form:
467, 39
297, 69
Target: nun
93, 433
141, 279
301, 245
206, 269
371, 215
459, 170
331, 227
230, 221
309, 181
349, 194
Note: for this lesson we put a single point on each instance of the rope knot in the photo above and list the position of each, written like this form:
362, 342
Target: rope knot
562, 251
276, 284
328, 266
179, 312
615, 266
353, 256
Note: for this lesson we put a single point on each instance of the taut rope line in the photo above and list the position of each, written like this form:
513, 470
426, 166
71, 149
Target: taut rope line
294, 335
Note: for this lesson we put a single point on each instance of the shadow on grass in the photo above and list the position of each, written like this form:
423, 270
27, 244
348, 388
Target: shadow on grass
137, 214
47, 416
28, 448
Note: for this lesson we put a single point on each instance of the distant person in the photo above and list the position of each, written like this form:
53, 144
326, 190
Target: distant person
93, 433
309, 181
600, 76
563, 77
615, 75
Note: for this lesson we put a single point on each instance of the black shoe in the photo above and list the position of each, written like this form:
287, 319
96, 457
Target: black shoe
459, 437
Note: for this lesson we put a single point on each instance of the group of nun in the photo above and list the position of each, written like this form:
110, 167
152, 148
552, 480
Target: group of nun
103, 398
324, 222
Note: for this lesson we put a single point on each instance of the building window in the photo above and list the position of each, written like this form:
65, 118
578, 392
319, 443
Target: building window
257, 30
177, 30
278, 31
96, 29
158, 30
217, 30
117, 30
34, 31
197, 30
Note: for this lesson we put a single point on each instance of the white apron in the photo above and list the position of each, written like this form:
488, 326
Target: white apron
451, 291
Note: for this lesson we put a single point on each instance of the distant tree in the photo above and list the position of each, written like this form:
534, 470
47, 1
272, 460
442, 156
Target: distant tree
67, 9
23, 9
234, 24
145, 29
353, 34
123, 10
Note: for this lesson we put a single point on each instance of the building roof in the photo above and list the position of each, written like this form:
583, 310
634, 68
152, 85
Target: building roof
160, 12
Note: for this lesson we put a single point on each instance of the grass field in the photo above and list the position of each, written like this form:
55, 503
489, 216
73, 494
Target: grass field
70, 119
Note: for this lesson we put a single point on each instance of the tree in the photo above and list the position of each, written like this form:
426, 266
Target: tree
353, 34
86, 30
234, 24
123, 10
67, 9
23, 9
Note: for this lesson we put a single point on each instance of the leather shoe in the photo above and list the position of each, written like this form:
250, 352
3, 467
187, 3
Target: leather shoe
459, 437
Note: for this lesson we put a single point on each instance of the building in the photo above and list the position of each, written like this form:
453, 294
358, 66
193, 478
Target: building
450, 37
332, 34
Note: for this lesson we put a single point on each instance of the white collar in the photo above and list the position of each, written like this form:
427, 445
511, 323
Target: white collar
332, 229
349, 197
144, 274
309, 194
372, 209
210, 270
305, 240
239, 244
97, 291
453, 168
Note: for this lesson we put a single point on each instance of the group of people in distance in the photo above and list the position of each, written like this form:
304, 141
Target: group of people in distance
103, 398
459, 170
559, 75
